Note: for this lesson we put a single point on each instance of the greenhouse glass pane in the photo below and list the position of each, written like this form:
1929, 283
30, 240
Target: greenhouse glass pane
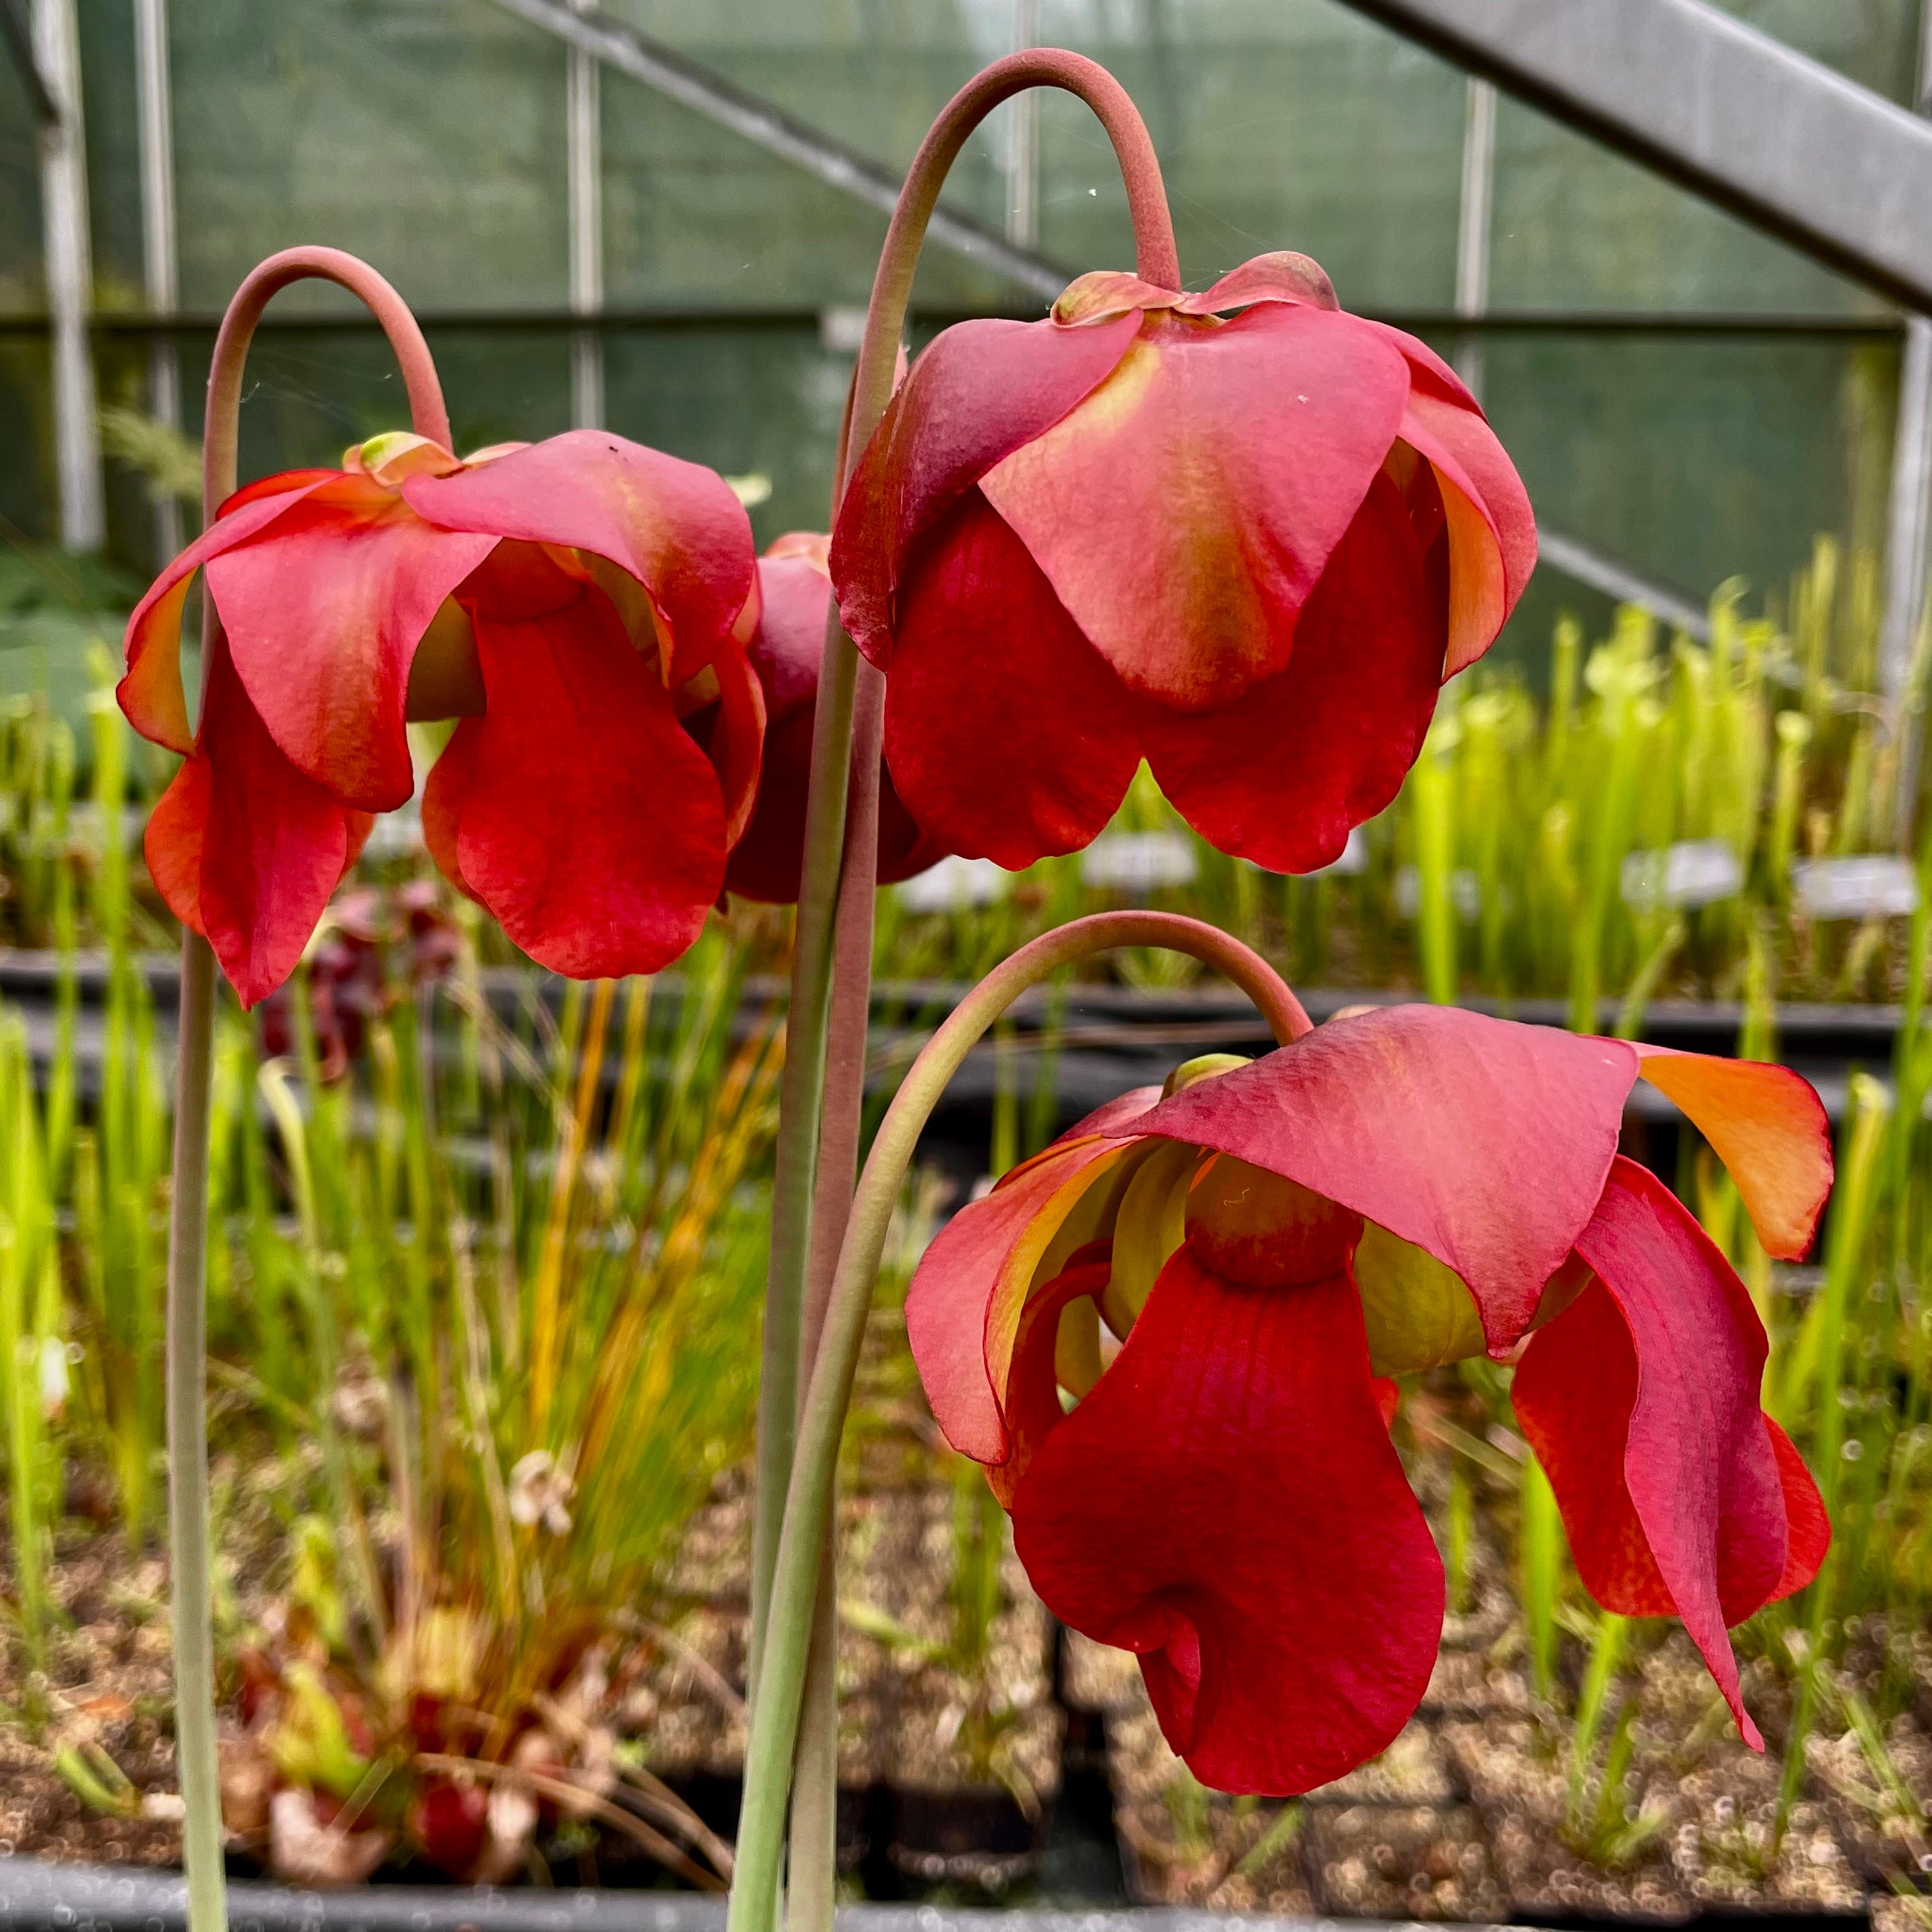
425, 135
695, 216
1577, 227
1690, 461
754, 400
312, 393
22, 291
112, 122
1281, 123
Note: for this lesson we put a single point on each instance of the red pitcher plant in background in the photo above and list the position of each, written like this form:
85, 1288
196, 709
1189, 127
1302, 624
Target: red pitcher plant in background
795, 598
1267, 1239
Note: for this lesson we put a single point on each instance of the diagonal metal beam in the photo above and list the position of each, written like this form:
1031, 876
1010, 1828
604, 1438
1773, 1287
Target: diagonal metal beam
697, 87
1736, 116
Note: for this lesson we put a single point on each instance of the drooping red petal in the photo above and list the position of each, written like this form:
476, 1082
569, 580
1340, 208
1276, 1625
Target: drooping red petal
590, 824
1033, 1395
1810, 1541
150, 693
734, 737
963, 1308
674, 526
1769, 1129
1007, 736
787, 651
978, 391
323, 612
273, 845
1226, 1502
1280, 775
1485, 1142
1185, 510
1641, 1401
444, 794
172, 844
1492, 529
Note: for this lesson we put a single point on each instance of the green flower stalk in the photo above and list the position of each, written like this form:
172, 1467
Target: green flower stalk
186, 1374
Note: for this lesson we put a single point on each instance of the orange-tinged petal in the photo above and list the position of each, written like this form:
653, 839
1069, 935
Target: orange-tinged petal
323, 612
733, 736
1184, 513
963, 1309
1492, 529
674, 526
1107, 294
1281, 276
980, 390
1766, 1126
150, 693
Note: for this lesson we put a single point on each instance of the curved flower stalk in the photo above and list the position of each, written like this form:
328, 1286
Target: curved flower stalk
582, 604
1263, 1242
1242, 535
795, 601
776, 1717
825, 1024
190, 1578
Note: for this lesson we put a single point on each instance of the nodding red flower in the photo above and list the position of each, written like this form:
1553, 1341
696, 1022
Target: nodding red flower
582, 604
794, 597
1246, 546
1395, 1190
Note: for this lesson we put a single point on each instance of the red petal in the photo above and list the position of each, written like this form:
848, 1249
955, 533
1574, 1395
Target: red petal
172, 844
323, 613
1006, 735
150, 693
1280, 775
1653, 1438
444, 794
963, 1309
1281, 276
1484, 1141
734, 737
1810, 1540
590, 824
674, 526
1032, 1391
251, 851
787, 651
1105, 293
1226, 1502
1184, 511
1769, 1129
1492, 529
978, 391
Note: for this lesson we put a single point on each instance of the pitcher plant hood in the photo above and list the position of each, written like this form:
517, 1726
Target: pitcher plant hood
1397, 1190
1242, 535
582, 604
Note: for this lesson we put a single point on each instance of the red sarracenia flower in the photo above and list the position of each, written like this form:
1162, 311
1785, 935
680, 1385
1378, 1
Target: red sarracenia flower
579, 601
794, 595
1247, 547
1397, 1190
